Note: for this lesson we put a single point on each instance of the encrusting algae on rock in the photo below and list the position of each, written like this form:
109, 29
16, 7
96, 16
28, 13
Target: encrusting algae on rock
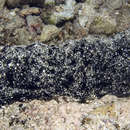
102, 25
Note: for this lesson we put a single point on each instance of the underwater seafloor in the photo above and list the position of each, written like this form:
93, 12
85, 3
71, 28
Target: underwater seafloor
64, 65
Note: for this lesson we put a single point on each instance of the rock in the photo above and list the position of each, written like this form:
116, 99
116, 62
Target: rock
115, 4
49, 32
13, 3
101, 25
9, 26
80, 69
23, 36
34, 24
123, 19
61, 13
30, 11
86, 15
73, 31
49, 2
2, 3
95, 3
15, 22
46, 13
53, 2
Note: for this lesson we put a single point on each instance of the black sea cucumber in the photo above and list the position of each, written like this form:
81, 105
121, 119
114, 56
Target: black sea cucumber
76, 68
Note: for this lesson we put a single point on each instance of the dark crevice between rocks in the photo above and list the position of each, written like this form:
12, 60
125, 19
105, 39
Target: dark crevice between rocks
20, 3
